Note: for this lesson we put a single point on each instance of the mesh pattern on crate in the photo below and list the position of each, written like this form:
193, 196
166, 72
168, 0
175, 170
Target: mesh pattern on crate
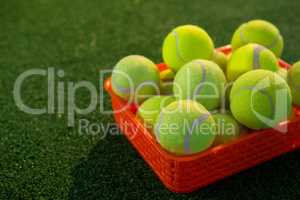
163, 166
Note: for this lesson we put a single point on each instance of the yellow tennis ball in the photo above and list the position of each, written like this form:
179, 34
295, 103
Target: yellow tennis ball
166, 82
135, 78
261, 32
249, 57
167, 75
294, 82
202, 81
185, 127
229, 56
220, 59
184, 44
260, 99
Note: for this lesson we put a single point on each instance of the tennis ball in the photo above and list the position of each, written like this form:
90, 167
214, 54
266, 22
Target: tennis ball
134, 78
294, 82
260, 99
167, 75
166, 83
150, 109
200, 80
229, 56
283, 73
220, 59
184, 44
260, 32
227, 128
185, 127
248, 57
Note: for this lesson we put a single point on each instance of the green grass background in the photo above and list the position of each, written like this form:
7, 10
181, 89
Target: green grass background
41, 158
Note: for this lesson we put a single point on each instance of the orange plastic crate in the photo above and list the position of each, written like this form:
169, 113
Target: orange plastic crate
187, 173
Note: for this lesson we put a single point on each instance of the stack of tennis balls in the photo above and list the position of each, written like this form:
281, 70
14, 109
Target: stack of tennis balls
185, 106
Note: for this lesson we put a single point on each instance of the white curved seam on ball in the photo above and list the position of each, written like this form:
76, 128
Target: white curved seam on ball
177, 46
256, 54
196, 122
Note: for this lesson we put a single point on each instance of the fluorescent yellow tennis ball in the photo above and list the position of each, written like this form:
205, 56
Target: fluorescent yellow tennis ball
184, 44
229, 56
185, 127
135, 78
294, 82
261, 32
202, 81
167, 75
221, 59
166, 83
249, 57
260, 99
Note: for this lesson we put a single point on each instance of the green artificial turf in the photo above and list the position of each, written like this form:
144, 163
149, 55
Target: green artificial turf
42, 158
